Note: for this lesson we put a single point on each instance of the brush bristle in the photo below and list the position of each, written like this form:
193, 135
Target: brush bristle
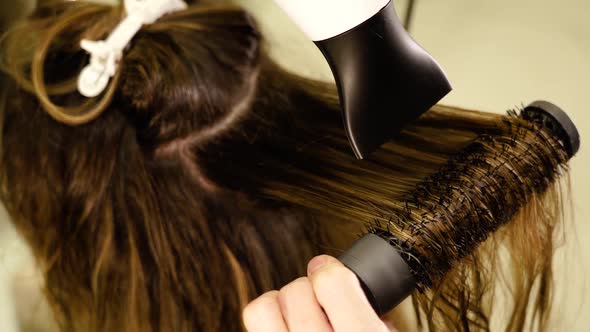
470, 197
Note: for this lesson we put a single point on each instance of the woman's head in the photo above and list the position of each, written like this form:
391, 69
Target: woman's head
202, 177
109, 191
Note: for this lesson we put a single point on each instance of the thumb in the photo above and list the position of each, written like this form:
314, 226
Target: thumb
390, 325
319, 261
339, 293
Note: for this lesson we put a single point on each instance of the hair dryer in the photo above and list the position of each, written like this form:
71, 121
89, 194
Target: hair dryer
384, 78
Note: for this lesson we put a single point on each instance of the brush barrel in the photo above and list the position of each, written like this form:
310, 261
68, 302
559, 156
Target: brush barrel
387, 277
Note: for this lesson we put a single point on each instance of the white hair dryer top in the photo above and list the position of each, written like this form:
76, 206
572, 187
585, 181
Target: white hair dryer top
324, 19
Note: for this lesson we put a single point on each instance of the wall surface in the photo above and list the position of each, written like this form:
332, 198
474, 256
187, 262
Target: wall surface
498, 54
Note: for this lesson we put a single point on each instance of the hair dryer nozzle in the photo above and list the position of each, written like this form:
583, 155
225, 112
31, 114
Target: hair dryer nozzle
385, 79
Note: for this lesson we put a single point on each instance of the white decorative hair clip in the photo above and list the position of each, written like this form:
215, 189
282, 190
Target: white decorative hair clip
106, 54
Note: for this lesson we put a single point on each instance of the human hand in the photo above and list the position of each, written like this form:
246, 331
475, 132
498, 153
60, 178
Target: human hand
329, 299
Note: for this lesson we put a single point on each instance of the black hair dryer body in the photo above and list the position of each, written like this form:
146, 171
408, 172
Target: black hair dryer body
384, 78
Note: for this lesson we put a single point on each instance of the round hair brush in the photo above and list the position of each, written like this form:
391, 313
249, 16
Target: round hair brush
467, 200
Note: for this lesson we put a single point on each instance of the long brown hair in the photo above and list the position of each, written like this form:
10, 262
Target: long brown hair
204, 176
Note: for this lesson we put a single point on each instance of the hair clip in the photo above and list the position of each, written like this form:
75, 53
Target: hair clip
106, 54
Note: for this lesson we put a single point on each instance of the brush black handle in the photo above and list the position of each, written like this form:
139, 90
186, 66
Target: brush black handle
385, 277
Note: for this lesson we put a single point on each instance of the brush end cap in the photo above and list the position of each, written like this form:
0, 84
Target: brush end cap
555, 119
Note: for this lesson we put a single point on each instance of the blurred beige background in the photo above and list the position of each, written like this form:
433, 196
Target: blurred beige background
498, 54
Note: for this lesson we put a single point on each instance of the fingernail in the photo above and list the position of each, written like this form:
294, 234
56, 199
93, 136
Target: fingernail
390, 325
315, 264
